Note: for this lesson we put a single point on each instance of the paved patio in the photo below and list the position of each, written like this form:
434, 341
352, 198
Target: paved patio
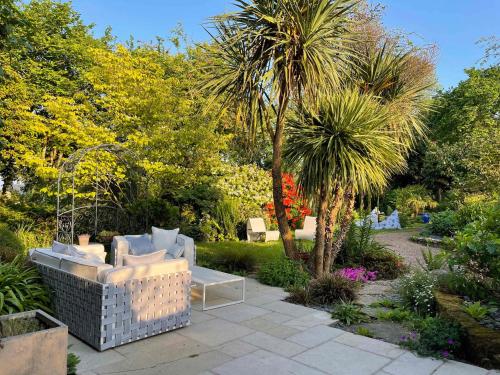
262, 336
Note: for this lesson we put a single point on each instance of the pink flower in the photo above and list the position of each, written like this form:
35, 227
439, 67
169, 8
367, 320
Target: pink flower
358, 274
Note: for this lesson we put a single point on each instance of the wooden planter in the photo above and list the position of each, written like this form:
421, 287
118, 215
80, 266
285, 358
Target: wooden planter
42, 352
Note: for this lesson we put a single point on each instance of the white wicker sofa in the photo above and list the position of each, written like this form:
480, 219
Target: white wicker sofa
108, 306
121, 246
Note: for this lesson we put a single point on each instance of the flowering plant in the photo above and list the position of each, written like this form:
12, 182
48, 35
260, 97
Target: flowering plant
358, 274
296, 208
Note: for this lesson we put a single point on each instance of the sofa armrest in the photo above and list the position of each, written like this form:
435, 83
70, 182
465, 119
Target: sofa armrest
189, 249
119, 248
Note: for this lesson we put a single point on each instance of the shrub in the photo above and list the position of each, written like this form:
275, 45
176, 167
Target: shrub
349, 313
72, 363
229, 260
30, 237
437, 337
299, 295
330, 288
283, 272
357, 274
463, 283
410, 200
477, 246
227, 216
444, 223
363, 331
386, 262
432, 262
10, 245
21, 288
416, 292
476, 310
395, 315
360, 249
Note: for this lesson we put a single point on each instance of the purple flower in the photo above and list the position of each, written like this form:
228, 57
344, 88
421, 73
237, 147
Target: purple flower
451, 341
358, 274
404, 338
413, 335
445, 353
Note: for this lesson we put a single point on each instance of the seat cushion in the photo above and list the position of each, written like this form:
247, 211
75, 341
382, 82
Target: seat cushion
92, 253
140, 245
84, 268
136, 260
164, 239
121, 274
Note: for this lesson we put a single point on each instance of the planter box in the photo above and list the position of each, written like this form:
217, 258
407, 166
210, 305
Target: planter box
42, 352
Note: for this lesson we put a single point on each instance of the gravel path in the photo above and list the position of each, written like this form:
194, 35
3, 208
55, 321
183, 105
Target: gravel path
399, 241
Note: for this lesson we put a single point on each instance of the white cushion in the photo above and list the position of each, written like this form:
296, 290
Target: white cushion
47, 257
176, 251
121, 274
135, 260
257, 225
84, 268
139, 244
164, 239
92, 253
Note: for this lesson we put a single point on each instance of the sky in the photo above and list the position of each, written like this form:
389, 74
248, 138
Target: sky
453, 25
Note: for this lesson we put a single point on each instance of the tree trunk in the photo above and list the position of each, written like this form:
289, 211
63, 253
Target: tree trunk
349, 198
330, 230
279, 207
319, 244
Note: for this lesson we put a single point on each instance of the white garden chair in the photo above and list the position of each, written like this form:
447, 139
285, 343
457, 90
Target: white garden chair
309, 230
256, 231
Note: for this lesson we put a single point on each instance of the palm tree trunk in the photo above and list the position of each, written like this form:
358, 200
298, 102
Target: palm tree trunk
279, 207
349, 198
330, 229
319, 244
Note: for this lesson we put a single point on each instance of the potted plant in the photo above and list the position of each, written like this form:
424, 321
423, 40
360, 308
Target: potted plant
33, 342
83, 239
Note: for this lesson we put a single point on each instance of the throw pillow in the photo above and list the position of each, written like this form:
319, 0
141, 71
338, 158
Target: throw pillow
136, 260
60, 248
140, 245
164, 239
176, 251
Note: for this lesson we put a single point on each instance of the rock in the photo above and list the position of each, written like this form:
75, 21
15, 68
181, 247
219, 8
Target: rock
483, 344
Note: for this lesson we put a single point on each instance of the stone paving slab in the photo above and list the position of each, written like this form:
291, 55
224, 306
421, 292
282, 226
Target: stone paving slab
265, 336
335, 358
264, 363
409, 363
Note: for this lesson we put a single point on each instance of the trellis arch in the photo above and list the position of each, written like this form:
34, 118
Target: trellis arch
91, 182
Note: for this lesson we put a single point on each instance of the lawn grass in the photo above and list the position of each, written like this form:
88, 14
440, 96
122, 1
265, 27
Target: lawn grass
262, 251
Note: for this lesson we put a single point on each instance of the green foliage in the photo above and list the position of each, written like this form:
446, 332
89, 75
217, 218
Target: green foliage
433, 262
476, 310
477, 246
300, 295
444, 223
21, 288
229, 260
437, 337
31, 237
283, 272
360, 249
349, 313
330, 288
387, 303
395, 315
227, 216
410, 200
464, 283
10, 245
363, 331
72, 363
416, 291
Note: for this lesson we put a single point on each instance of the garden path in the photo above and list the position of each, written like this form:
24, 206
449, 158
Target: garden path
399, 241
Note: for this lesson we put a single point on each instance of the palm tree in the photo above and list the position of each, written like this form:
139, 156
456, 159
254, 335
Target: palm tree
270, 53
343, 145
358, 137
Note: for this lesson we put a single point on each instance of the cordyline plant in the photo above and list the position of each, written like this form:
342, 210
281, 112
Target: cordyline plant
353, 140
270, 54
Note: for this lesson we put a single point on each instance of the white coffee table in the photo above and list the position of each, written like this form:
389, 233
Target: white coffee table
221, 283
